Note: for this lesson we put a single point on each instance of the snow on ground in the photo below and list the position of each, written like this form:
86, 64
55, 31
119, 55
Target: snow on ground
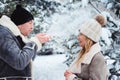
49, 67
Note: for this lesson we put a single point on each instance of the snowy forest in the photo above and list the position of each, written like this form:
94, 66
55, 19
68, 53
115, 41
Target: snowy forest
61, 19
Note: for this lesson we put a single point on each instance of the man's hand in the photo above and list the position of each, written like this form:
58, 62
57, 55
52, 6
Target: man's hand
43, 37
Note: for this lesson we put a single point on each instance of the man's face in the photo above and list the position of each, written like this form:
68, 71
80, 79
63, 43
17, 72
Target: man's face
26, 28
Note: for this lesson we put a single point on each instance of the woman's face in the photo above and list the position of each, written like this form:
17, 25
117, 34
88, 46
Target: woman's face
26, 28
82, 39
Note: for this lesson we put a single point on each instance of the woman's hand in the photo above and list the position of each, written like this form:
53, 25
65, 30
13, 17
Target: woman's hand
67, 73
42, 37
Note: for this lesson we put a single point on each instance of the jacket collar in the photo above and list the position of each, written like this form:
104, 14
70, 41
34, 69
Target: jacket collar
94, 50
6, 22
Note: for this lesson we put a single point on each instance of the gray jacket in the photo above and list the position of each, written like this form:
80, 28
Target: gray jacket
15, 55
96, 70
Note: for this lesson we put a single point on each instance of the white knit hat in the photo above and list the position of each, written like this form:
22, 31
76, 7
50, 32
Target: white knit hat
92, 28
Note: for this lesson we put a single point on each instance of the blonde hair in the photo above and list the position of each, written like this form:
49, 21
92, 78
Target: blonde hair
85, 49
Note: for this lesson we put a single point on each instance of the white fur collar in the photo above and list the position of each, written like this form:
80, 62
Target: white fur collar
88, 56
6, 22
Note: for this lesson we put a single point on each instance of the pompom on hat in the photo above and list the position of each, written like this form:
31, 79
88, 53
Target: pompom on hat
92, 28
21, 15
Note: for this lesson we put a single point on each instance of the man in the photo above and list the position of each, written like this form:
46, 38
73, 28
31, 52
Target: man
16, 51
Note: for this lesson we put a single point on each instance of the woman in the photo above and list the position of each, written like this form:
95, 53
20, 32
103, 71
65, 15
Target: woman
90, 63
